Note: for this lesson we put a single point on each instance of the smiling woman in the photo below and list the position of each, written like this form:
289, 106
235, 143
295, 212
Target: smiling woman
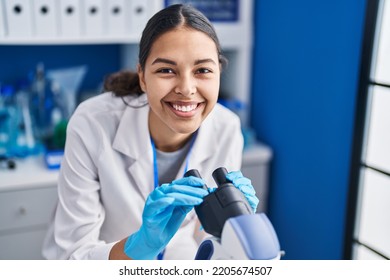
122, 190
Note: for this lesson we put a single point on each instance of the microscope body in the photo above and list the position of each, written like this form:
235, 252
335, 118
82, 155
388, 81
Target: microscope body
237, 233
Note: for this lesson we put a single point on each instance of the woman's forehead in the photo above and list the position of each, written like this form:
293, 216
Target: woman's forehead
184, 42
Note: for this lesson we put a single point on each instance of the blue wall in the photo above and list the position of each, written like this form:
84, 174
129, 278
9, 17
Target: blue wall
17, 61
306, 69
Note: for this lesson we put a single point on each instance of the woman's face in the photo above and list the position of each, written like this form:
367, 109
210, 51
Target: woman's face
181, 79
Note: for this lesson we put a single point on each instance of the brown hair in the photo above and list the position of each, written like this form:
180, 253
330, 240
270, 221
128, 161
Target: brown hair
127, 82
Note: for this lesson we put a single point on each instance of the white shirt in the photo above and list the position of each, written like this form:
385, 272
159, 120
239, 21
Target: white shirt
107, 174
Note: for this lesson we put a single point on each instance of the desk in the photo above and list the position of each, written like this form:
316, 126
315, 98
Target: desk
28, 195
29, 173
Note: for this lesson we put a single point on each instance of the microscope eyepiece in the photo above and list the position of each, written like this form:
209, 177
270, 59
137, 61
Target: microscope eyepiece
192, 172
225, 202
195, 173
219, 176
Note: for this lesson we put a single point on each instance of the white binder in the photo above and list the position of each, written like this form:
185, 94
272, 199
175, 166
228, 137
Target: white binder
115, 17
93, 18
2, 20
137, 16
19, 18
70, 18
45, 18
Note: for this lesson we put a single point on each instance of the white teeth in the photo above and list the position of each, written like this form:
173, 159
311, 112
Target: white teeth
187, 108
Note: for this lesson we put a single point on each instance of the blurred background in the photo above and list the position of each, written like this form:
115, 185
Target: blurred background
310, 81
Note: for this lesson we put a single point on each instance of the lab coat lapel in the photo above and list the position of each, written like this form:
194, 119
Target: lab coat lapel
133, 140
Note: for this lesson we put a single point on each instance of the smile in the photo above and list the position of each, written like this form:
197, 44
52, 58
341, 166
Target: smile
184, 108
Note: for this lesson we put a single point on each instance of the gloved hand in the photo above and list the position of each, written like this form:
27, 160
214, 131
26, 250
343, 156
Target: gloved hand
245, 186
164, 211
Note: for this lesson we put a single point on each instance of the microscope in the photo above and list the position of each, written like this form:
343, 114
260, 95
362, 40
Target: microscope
237, 232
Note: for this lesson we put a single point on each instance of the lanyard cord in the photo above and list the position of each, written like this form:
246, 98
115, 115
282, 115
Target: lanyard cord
155, 166
155, 171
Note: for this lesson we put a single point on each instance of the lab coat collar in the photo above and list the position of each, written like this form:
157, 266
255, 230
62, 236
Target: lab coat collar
132, 137
133, 140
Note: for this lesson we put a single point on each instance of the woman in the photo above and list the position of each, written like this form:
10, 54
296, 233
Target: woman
122, 194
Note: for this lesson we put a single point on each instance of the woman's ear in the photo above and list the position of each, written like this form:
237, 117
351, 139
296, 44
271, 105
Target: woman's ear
141, 77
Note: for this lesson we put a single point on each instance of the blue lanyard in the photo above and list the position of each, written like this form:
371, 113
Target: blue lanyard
155, 171
155, 166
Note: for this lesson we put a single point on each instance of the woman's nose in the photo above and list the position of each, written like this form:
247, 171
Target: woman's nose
186, 85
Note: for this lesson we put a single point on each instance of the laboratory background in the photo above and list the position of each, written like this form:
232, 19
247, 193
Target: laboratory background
310, 81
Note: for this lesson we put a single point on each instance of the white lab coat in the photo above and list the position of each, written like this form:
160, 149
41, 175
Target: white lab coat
107, 174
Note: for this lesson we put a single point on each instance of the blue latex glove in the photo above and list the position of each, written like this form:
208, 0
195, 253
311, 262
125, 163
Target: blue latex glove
245, 186
164, 211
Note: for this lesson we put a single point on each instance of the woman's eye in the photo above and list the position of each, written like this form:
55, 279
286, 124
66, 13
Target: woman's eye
203, 71
165, 71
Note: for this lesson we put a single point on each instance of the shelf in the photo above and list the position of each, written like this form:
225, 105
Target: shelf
31, 41
242, 39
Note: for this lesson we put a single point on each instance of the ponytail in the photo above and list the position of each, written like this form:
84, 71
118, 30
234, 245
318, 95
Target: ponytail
123, 83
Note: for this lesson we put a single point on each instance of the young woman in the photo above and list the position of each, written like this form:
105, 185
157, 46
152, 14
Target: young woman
122, 194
